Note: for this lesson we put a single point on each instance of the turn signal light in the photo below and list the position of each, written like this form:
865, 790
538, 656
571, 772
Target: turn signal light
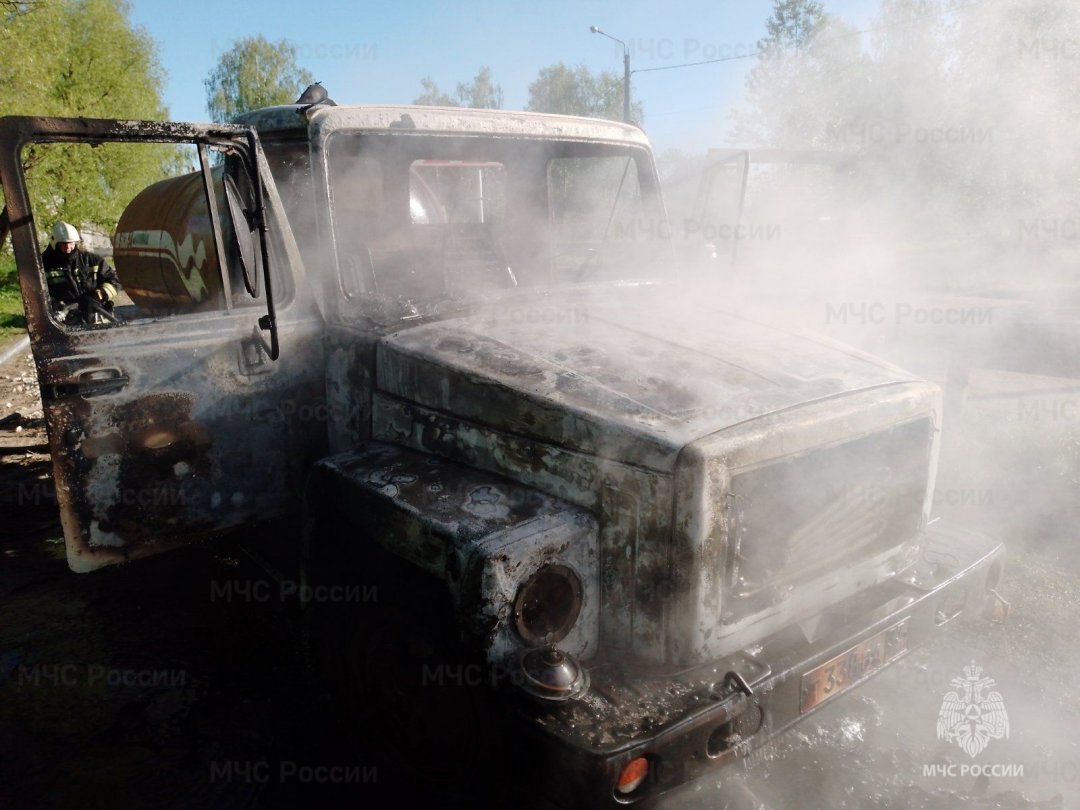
632, 775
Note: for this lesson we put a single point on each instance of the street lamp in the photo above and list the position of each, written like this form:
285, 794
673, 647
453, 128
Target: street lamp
626, 71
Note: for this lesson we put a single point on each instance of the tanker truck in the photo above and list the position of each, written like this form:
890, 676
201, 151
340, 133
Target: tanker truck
602, 513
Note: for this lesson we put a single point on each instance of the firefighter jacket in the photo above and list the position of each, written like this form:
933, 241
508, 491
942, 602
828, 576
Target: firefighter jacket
71, 276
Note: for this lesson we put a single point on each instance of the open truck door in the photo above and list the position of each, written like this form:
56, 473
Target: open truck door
718, 208
201, 404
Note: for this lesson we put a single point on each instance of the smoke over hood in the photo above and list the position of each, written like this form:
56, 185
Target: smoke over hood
616, 372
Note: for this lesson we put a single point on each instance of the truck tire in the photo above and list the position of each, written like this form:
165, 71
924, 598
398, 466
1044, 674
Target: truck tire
406, 693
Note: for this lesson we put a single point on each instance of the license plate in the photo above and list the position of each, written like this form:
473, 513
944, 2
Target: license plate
839, 674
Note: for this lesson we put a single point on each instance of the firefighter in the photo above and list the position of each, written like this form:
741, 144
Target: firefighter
82, 285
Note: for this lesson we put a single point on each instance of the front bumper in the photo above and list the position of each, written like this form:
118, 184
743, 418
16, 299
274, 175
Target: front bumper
689, 723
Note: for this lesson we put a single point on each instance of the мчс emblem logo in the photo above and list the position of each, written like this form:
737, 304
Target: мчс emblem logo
971, 715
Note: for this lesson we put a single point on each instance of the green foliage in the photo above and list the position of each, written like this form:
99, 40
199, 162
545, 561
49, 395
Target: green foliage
793, 24
91, 186
12, 319
431, 96
576, 91
254, 73
95, 64
481, 92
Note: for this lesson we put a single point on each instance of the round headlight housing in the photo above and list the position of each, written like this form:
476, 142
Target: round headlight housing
548, 604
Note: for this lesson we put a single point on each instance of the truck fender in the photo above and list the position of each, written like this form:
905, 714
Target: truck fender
483, 536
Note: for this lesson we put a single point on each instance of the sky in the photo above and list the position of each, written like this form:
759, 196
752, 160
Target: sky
368, 53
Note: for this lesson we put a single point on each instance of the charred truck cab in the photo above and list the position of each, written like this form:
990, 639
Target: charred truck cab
651, 532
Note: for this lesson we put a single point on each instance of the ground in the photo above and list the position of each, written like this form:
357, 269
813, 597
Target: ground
176, 683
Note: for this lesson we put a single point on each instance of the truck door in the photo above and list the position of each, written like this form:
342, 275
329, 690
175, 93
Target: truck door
198, 402
719, 206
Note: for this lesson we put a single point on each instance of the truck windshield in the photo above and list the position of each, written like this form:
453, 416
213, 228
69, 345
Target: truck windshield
426, 219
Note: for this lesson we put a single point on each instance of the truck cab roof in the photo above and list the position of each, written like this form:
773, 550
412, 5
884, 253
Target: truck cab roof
457, 120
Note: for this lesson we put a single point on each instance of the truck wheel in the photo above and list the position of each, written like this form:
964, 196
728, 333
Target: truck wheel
417, 695
406, 695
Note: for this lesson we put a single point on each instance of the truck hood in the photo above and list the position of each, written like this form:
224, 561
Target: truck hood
630, 373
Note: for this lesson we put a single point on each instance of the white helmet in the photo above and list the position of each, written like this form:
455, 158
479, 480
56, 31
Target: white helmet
63, 232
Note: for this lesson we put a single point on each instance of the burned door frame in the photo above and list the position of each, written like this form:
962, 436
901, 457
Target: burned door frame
716, 161
170, 429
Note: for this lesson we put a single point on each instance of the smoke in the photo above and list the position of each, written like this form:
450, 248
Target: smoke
949, 125
913, 191
918, 202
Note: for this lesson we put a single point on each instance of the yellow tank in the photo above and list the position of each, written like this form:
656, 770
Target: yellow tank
164, 247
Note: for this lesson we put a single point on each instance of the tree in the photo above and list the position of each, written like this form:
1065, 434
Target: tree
432, 96
793, 24
576, 91
254, 73
809, 74
96, 64
481, 92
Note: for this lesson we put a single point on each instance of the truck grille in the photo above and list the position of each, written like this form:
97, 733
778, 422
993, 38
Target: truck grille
795, 518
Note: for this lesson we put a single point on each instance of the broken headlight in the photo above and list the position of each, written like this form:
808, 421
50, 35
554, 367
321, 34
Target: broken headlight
547, 605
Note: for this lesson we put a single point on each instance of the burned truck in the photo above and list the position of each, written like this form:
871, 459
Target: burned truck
644, 532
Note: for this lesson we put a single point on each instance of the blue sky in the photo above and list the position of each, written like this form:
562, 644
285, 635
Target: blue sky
377, 53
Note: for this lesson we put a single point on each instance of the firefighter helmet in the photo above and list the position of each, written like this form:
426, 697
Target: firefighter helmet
63, 232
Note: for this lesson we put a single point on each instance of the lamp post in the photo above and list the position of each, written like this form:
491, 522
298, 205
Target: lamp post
626, 71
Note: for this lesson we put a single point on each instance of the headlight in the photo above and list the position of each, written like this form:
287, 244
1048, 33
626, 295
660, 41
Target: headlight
547, 605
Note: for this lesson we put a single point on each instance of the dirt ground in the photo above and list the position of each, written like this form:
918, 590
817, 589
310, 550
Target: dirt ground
151, 685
